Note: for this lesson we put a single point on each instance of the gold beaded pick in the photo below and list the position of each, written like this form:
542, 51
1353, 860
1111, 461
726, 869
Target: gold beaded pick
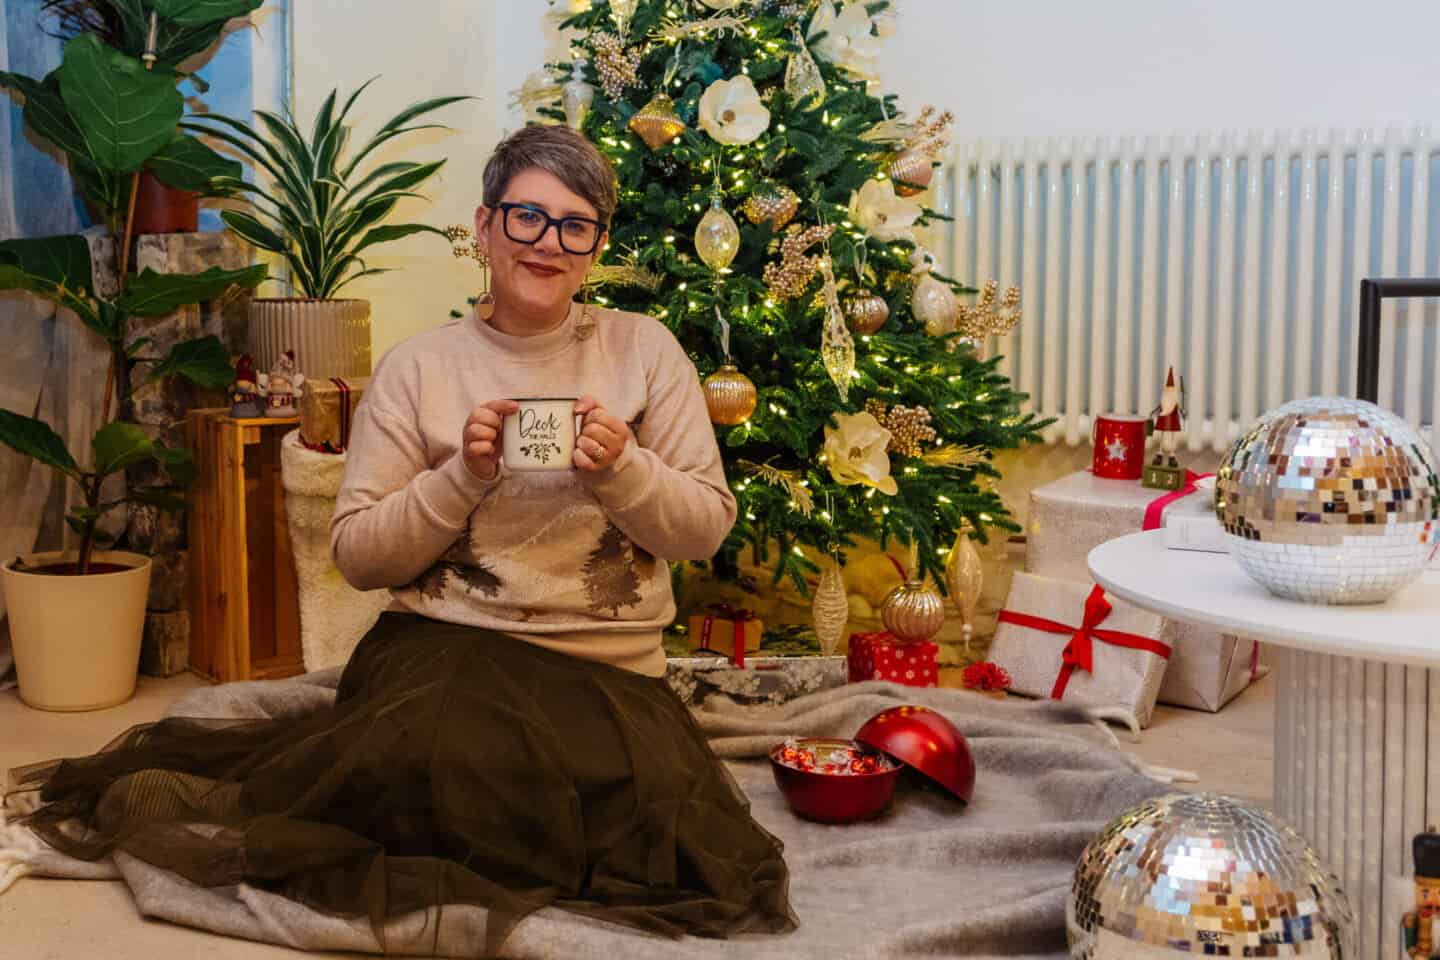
983, 319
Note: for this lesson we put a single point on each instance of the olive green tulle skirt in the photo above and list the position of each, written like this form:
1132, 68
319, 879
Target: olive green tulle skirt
457, 766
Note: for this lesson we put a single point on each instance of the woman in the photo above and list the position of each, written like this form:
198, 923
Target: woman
503, 737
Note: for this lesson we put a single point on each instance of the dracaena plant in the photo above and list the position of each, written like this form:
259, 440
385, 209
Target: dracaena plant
112, 115
320, 212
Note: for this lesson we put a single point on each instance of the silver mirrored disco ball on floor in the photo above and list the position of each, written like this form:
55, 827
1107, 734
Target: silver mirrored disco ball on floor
1330, 500
1205, 875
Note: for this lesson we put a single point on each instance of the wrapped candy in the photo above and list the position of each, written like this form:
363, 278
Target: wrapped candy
845, 761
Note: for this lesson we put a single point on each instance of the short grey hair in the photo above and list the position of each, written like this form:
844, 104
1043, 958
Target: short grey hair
561, 152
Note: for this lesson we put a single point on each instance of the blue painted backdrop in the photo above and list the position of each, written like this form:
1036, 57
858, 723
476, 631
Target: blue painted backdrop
36, 198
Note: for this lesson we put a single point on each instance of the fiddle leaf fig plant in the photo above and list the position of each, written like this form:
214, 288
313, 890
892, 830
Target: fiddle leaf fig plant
58, 268
112, 114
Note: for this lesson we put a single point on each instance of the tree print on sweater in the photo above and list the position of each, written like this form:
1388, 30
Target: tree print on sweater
459, 563
610, 575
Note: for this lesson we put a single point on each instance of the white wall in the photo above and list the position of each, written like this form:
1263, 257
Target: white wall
1006, 68
449, 49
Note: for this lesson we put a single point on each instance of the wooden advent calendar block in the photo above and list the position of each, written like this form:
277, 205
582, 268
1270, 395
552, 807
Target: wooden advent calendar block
244, 597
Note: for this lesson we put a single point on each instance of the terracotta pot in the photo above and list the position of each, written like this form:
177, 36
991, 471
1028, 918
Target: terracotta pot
331, 338
77, 639
162, 209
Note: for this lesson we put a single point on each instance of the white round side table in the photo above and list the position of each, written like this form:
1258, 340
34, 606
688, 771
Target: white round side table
1357, 711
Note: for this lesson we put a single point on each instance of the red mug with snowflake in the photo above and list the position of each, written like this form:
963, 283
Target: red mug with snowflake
1119, 447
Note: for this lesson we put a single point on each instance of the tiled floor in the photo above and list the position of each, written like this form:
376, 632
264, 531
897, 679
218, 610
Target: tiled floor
70, 920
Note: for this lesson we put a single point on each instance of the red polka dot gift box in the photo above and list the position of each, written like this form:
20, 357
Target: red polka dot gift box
880, 656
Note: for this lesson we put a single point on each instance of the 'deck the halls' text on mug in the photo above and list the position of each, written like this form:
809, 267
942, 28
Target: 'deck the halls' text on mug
541, 434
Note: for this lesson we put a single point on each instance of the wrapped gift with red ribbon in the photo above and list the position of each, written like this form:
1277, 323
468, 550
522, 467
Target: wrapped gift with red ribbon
727, 630
1073, 515
327, 409
881, 656
1069, 641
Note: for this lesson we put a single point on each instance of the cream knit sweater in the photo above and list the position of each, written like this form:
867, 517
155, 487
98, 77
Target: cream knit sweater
575, 562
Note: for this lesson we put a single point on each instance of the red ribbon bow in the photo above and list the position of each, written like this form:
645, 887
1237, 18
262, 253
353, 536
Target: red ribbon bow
1079, 653
1156, 511
736, 615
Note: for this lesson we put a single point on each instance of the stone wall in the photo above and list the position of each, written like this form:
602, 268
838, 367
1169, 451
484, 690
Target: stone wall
161, 410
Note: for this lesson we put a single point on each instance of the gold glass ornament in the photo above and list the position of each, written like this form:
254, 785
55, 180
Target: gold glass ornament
913, 611
911, 170
837, 347
831, 609
717, 238
964, 578
932, 302
803, 82
657, 123
774, 202
866, 312
730, 396
620, 12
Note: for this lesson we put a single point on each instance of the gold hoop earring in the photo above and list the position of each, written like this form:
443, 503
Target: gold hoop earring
464, 247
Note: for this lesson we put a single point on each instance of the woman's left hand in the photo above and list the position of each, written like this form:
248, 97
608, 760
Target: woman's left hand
602, 437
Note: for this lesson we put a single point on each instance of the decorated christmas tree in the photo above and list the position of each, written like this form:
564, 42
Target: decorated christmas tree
769, 209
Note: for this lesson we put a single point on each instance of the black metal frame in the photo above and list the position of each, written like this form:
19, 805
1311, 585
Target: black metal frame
1372, 292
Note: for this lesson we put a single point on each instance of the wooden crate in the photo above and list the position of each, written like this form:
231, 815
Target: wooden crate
244, 597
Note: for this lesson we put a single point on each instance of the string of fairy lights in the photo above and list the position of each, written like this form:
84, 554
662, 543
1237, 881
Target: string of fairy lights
694, 144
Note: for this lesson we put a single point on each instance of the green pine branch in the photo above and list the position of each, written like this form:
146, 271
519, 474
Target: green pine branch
819, 152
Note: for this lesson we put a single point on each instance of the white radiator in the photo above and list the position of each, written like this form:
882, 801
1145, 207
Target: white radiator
1236, 258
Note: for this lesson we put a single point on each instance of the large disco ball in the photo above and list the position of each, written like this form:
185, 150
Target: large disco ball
1330, 500
1205, 875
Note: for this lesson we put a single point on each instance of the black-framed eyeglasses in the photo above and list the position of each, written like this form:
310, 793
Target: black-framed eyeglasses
527, 224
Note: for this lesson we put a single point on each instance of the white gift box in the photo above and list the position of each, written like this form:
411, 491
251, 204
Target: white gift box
1121, 677
1191, 523
1075, 514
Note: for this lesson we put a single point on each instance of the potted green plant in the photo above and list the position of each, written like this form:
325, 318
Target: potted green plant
320, 213
76, 616
171, 34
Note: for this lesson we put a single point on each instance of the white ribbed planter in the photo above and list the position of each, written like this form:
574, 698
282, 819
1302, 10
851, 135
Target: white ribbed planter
77, 639
331, 338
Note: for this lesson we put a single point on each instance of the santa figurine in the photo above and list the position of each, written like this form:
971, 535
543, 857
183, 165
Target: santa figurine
1164, 471
247, 393
285, 382
1421, 940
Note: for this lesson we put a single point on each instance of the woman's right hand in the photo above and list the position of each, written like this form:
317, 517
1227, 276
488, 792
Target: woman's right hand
480, 443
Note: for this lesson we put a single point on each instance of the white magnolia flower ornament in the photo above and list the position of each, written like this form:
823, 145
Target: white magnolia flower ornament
855, 452
731, 111
849, 40
881, 213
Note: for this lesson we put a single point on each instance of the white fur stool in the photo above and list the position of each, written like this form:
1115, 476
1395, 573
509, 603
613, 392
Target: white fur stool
333, 614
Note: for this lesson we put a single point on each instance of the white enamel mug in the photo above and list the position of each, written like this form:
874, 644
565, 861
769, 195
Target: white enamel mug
541, 435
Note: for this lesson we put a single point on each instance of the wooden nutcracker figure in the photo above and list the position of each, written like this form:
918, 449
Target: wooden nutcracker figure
1422, 925
1164, 471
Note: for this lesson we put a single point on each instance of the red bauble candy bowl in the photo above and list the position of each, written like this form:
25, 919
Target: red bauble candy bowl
923, 739
833, 797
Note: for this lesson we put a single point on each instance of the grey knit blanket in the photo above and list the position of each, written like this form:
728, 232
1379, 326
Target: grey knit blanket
928, 879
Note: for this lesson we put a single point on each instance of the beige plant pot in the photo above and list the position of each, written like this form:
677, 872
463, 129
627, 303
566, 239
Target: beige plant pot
76, 640
331, 338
